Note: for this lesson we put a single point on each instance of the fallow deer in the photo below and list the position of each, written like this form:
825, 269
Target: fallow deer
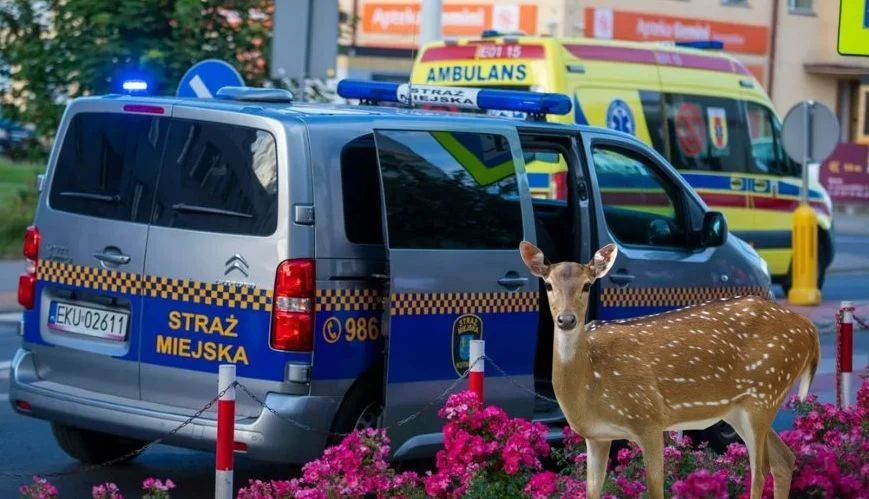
733, 360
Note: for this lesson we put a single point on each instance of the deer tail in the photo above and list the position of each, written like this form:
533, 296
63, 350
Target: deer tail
811, 368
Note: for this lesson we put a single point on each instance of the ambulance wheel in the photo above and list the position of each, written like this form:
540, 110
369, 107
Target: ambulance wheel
360, 409
90, 447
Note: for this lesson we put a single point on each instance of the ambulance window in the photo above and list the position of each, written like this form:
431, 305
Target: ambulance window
360, 188
706, 134
218, 177
107, 166
640, 206
768, 155
449, 190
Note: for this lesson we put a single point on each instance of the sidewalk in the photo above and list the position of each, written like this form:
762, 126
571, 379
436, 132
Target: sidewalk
824, 315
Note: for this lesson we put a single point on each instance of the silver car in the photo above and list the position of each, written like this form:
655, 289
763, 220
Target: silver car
341, 256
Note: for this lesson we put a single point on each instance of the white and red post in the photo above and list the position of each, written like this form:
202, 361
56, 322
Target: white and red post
225, 432
845, 354
475, 377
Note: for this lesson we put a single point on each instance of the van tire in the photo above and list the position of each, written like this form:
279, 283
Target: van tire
90, 447
719, 436
361, 407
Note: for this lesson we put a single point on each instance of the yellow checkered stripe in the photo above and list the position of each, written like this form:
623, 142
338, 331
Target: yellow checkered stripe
462, 303
348, 300
673, 297
183, 290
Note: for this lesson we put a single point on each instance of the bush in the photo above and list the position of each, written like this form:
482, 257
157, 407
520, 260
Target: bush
488, 454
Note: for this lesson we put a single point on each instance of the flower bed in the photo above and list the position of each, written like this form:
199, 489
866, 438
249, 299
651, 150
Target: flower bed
488, 454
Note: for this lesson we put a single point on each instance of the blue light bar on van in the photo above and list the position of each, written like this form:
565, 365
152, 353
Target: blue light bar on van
702, 44
459, 97
135, 85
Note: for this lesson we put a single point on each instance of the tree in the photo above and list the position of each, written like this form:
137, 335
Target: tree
54, 50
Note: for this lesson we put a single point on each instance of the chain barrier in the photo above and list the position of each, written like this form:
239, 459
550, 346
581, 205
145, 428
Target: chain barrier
516, 383
111, 462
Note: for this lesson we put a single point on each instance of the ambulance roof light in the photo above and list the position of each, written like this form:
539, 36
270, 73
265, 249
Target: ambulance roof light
493, 33
702, 44
533, 103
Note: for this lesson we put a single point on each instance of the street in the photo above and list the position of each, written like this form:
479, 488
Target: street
27, 446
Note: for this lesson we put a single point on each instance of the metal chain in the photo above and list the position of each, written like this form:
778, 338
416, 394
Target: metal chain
516, 383
403, 421
109, 463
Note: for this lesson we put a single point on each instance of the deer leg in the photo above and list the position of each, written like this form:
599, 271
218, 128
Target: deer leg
652, 445
598, 455
754, 433
781, 463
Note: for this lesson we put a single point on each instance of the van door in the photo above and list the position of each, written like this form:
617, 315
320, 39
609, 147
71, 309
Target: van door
212, 257
455, 211
84, 328
643, 210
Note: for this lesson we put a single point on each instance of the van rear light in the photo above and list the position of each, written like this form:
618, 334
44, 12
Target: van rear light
292, 326
27, 290
559, 185
143, 108
31, 243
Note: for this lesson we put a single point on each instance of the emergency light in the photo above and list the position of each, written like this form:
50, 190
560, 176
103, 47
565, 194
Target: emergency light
135, 85
533, 103
702, 44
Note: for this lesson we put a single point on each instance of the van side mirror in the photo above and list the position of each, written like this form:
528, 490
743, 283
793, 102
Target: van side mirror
714, 231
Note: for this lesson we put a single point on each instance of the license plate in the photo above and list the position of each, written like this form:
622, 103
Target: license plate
88, 321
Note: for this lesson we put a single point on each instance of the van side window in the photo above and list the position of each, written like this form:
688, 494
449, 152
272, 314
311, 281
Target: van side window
218, 177
360, 187
640, 206
449, 190
107, 165
768, 155
706, 134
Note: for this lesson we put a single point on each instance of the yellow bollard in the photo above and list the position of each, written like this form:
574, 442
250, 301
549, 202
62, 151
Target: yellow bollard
804, 268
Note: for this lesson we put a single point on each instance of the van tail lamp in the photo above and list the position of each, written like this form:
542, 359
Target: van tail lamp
23, 405
292, 326
27, 280
559, 185
143, 108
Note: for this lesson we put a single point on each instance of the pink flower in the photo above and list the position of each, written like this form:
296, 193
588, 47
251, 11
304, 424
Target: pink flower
107, 490
39, 489
701, 484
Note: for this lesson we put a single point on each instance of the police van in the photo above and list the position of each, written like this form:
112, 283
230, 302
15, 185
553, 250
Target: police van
698, 106
340, 256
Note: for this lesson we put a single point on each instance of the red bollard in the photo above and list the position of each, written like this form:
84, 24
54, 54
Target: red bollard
475, 377
844, 354
225, 432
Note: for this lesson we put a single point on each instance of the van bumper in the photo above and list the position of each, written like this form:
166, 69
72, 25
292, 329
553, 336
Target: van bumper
268, 437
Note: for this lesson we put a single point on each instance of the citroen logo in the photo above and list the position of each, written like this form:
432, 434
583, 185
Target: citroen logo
236, 262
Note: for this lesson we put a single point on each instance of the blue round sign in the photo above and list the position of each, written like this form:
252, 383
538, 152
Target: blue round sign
205, 78
619, 116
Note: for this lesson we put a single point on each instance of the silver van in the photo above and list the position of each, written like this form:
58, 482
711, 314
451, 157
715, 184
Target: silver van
341, 256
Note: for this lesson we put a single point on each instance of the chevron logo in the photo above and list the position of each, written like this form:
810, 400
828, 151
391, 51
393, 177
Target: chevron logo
236, 262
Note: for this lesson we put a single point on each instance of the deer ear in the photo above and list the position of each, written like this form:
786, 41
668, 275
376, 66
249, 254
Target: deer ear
534, 259
603, 260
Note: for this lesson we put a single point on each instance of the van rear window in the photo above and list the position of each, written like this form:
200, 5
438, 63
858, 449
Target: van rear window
107, 166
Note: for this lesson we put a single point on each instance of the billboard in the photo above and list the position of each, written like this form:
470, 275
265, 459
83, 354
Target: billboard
845, 174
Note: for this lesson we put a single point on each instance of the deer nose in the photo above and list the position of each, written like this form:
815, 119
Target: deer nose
566, 321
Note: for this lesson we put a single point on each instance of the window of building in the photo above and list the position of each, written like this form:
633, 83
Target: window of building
801, 6
706, 133
107, 167
734, 2
218, 177
640, 206
449, 190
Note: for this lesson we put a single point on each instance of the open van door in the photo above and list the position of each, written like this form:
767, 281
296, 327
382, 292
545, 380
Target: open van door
455, 206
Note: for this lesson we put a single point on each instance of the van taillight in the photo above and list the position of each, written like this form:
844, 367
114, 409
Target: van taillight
293, 306
559, 181
31, 243
27, 280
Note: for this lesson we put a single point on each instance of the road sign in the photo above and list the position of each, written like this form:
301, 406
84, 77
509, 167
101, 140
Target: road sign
304, 39
205, 78
810, 132
853, 27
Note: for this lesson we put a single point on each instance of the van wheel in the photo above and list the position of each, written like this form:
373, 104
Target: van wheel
90, 447
718, 436
361, 409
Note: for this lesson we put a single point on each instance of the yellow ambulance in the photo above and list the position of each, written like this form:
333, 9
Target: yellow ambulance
699, 107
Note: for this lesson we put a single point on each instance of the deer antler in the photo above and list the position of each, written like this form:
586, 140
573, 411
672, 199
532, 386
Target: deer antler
734, 360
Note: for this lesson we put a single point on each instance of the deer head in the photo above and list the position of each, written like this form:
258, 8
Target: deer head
733, 360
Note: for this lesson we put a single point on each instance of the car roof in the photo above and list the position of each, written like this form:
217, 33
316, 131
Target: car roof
319, 112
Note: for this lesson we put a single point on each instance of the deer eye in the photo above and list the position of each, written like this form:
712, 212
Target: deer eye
548, 287
586, 287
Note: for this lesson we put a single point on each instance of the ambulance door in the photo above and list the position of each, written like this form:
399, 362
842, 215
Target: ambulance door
456, 206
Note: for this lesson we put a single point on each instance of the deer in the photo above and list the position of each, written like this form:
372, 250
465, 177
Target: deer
734, 359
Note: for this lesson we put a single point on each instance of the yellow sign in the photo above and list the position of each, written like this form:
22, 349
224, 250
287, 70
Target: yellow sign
854, 27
